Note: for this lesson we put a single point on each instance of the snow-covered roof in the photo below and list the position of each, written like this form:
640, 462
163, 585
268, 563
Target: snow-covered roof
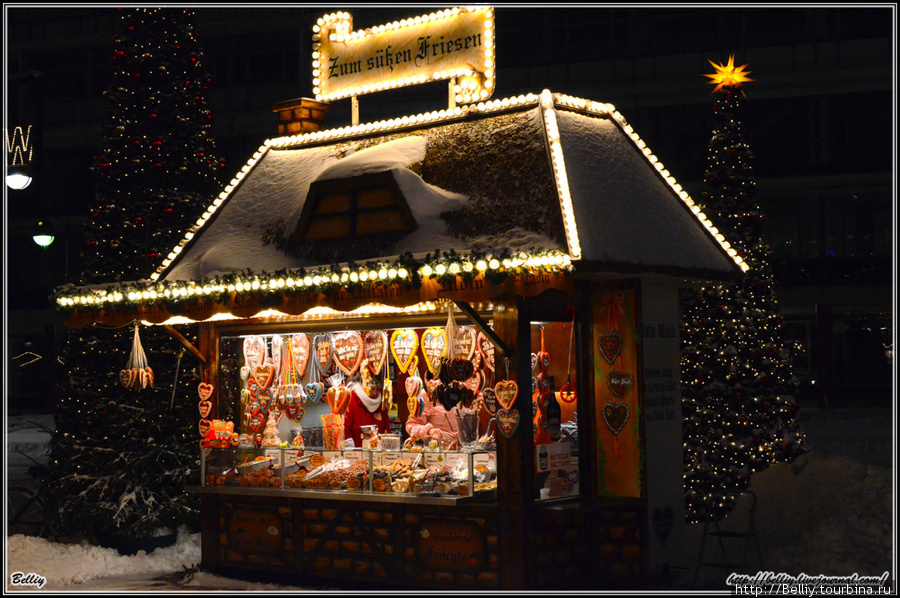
515, 191
483, 181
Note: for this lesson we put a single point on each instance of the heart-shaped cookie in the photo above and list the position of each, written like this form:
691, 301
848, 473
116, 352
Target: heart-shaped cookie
376, 342
489, 399
610, 346
205, 390
434, 346
253, 406
404, 344
475, 382
300, 352
620, 383
413, 386
486, 349
506, 391
415, 405
126, 377
205, 407
314, 391
263, 374
616, 416
349, 351
323, 347
256, 422
461, 369
508, 421
464, 342
254, 351
203, 427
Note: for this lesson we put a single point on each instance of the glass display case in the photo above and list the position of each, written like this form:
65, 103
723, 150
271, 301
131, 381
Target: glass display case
410, 473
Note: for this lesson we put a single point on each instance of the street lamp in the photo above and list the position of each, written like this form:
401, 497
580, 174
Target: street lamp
43, 235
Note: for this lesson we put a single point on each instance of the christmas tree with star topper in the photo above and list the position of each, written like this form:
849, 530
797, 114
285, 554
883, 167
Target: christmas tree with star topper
122, 456
739, 392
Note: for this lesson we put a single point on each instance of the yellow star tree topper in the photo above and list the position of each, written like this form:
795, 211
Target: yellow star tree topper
728, 75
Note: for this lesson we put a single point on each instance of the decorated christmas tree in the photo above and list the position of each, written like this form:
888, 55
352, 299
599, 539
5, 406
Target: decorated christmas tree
121, 456
739, 392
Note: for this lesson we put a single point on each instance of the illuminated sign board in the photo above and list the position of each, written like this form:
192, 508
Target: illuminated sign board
453, 43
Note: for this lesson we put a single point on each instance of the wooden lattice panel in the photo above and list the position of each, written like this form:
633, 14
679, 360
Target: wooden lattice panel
600, 548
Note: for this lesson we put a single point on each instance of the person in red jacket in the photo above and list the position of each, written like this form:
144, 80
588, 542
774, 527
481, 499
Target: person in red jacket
365, 409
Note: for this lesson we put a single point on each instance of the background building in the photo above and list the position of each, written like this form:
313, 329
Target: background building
820, 118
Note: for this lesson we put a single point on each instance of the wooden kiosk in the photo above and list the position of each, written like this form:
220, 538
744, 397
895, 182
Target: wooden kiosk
547, 228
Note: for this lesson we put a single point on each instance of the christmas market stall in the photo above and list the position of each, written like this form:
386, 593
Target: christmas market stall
441, 351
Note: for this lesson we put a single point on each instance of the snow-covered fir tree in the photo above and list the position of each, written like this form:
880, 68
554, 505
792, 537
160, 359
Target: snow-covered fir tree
120, 458
739, 391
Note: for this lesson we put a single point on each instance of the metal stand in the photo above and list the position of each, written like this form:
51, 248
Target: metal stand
740, 543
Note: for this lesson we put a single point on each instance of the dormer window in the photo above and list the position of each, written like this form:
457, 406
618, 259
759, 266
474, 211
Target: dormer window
365, 205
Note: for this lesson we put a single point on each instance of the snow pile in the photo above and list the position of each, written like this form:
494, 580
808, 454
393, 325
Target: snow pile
72, 564
828, 515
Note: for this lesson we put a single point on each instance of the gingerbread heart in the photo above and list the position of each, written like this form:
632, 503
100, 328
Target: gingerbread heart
253, 406
475, 382
126, 377
203, 426
256, 422
277, 354
376, 342
415, 405
464, 342
461, 369
263, 374
489, 399
205, 390
507, 391
323, 346
507, 421
610, 346
404, 344
434, 346
205, 407
277, 413
314, 391
486, 349
349, 351
413, 386
300, 352
616, 416
149, 377
620, 383
254, 351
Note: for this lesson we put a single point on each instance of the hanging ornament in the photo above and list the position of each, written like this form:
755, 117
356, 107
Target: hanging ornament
323, 347
137, 374
508, 421
205, 390
376, 344
610, 346
254, 351
486, 349
300, 352
620, 383
434, 346
404, 344
615, 415
349, 350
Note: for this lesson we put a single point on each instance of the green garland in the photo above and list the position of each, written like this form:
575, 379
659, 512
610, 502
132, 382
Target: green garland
446, 268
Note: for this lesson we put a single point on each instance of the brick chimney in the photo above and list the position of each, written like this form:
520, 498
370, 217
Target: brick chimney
302, 115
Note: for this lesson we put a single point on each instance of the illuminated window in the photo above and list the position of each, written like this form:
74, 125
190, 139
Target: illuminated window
366, 205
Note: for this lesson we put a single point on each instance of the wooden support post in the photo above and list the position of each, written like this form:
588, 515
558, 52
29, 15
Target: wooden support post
187, 344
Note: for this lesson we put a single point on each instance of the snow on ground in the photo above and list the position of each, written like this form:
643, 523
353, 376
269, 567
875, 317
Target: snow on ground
828, 513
